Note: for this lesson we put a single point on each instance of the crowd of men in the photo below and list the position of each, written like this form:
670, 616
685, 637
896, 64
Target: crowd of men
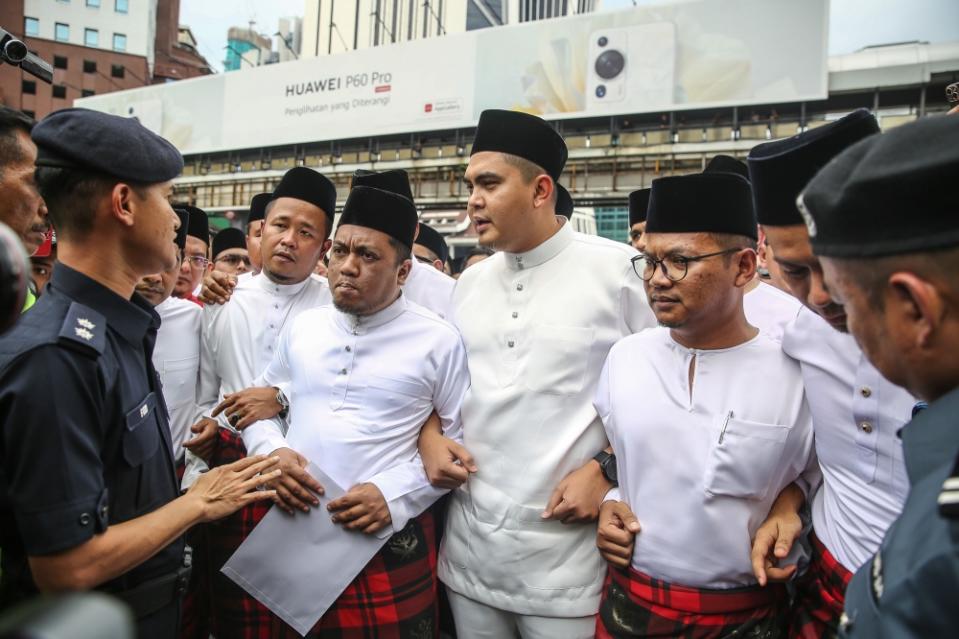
739, 426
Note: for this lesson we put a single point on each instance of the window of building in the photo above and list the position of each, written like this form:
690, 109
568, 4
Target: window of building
89, 66
122, 6
28, 87
60, 62
93, 3
119, 42
31, 27
61, 32
86, 93
117, 70
59, 91
91, 37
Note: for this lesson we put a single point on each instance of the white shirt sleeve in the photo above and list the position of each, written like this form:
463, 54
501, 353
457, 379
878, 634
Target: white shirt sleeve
267, 435
405, 487
635, 305
208, 387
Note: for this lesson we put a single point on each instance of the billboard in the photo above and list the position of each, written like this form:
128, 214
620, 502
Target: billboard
681, 55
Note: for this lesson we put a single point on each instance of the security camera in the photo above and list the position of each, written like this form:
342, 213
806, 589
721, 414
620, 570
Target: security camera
14, 52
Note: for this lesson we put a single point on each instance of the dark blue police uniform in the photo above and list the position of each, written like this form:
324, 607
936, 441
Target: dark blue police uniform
909, 588
85, 440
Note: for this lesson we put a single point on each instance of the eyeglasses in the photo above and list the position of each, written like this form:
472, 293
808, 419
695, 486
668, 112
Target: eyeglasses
635, 235
423, 260
197, 260
674, 267
234, 260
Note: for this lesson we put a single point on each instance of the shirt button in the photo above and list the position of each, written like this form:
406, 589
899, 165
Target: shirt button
515, 314
343, 371
85, 519
511, 343
866, 427
349, 349
519, 287
865, 391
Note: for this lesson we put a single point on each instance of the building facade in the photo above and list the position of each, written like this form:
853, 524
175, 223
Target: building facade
246, 48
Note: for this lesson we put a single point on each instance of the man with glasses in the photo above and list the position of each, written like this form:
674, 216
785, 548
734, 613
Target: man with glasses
230, 254
701, 456
430, 247
196, 256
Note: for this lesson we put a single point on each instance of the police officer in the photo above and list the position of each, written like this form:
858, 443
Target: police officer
882, 219
88, 496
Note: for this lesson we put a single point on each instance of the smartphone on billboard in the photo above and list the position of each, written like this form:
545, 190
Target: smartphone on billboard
631, 68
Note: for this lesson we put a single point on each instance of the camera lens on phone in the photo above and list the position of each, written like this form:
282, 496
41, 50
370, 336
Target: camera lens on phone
610, 64
602, 41
601, 91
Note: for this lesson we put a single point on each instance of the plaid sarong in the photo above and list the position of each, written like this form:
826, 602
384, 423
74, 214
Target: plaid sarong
636, 605
393, 598
233, 613
820, 595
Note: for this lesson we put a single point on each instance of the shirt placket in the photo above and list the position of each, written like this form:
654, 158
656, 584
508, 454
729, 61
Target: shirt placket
274, 324
865, 408
344, 371
517, 309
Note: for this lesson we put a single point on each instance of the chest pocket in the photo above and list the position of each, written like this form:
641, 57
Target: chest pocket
179, 378
397, 388
558, 359
142, 435
744, 459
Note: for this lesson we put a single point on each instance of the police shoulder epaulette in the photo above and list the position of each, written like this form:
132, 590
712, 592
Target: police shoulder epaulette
949, 497
84, 326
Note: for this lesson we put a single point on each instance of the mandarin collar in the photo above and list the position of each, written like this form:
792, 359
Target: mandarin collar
679, 348
544, 252
931, 439
263, 282
361, 324
131, 318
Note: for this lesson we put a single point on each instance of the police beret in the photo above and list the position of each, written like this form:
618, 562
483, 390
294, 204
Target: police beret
258, 207
431, 239
228, 238
727, 164
199, 224
701, 203
889, 194
780, 170
184, 216
564, 202
93, 141
381, 210
522, 135
395, 181
638, 203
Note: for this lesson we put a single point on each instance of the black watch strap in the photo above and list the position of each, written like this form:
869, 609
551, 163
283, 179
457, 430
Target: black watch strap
607, 463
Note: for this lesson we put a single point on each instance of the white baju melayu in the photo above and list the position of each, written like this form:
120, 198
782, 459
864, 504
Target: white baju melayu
770, 310
537, 328
176, 357
240, 337
701, 465
856, 415
430, 289
363, 387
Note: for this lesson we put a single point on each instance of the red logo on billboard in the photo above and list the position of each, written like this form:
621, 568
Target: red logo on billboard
428, 108
383, 88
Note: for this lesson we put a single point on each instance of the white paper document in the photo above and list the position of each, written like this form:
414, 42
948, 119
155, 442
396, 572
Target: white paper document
298, 565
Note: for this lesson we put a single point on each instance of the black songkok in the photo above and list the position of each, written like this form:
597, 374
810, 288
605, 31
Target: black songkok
395, 181
701, 203
381, 210
780, 170
302, 183
522, 135
638, 203
431, 239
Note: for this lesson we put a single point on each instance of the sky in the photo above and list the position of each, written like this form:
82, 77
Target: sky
853, 23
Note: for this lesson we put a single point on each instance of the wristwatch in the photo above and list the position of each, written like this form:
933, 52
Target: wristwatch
607, 463
283, 402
